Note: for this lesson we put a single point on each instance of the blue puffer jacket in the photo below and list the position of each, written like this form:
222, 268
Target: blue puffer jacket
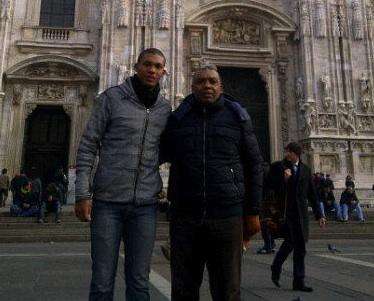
216, 164
126, 137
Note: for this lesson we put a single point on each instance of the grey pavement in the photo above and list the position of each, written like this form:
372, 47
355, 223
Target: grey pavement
61, 271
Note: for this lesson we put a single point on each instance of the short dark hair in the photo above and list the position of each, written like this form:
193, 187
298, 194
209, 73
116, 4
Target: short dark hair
203, 67
147, 51
4, 171
294, 147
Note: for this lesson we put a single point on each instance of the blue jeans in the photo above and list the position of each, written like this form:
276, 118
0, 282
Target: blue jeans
357, 208
335, 208
112, 222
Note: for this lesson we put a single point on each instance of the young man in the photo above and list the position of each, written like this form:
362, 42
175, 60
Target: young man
350, 203
124, 129
52, 202
291, 180
215, 185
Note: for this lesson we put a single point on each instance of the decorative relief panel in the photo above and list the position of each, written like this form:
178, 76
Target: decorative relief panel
366, 164
363, 146
51, 91
327, 121
326, 146
329, 163
236, 32
50, 70
365, 123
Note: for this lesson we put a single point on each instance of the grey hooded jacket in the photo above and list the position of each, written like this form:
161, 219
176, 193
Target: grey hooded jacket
126, 136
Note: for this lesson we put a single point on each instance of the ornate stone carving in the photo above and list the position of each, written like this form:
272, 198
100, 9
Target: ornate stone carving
299, 88
363, 146
164, 85
357, 20
196, 43
50, 70
365, 89
143, 13
309, 117
17, 94
122, 73
320, 20
282, 76
365, 123
69, 109
327, 121
327, 101
29, 108
123, 13
338, 20
304, 17
51, 91
366, 164
163, 14
346, 117
236, 32
329, 163
327, 146
179, 14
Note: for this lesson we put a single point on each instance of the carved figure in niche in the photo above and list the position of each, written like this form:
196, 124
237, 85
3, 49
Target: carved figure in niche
310, 117
233, 31
164, 85
327, 101
148, 12
123, 17
365, 93
195, 43
17, 94
358, 32
320, 21
164, 15
335, 22
122, 73
179, 14
346, 116
299, 91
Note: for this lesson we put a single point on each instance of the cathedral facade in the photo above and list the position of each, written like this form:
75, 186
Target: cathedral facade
303, 69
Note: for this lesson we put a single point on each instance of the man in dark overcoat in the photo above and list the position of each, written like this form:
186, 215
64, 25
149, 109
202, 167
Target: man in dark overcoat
291, 181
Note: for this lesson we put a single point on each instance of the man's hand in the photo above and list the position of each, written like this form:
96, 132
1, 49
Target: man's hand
83, 210
322, 222
287, 174
251, 226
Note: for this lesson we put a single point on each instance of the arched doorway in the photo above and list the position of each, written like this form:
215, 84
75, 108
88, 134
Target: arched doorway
46, 142
246, 85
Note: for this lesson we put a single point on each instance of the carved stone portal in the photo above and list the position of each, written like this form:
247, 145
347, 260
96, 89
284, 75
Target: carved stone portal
51, 91
236, 32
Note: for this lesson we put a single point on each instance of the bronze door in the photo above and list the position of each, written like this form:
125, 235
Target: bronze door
46, 143
246, 85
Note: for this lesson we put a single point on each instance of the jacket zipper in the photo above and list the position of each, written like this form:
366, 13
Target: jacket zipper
141, 148
204, 163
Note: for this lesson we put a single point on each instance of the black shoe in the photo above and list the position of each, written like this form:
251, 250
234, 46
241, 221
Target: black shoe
302, 288
275, 276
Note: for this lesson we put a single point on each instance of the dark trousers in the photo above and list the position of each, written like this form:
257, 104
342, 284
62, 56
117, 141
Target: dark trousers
269, 242
136, 226
216, 243
3, 196
295, 242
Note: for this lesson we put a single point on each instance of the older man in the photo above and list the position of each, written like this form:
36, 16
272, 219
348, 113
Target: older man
215, 186
124, 129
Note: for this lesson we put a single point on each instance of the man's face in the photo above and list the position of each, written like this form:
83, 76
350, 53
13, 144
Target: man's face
207, 86
350, 189
150, 69
291, 156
